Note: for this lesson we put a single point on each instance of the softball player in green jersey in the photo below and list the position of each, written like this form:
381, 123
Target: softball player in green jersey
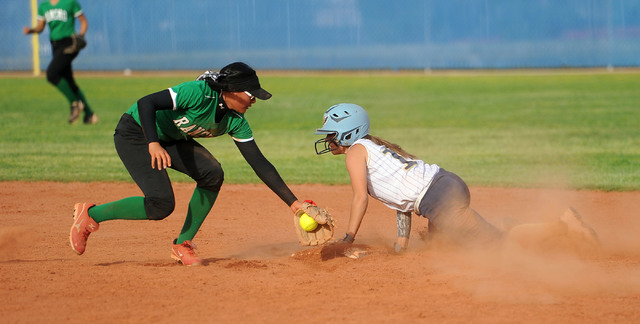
158, 132
60, 15
406, 184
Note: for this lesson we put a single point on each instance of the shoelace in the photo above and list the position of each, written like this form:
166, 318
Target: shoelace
191, 247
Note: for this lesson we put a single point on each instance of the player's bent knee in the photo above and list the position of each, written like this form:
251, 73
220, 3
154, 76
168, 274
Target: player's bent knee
159, 209
53, 79
212, 180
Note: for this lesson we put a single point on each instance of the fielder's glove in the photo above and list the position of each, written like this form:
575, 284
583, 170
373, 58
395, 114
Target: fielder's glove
323, 233
77, 44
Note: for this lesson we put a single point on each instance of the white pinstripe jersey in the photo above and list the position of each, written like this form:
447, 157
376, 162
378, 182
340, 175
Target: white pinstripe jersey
395, 181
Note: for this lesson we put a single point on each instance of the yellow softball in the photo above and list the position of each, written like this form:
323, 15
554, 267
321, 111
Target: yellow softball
307, 222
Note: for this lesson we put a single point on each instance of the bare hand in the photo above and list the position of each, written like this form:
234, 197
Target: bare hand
26, 30
159, 156
295, 206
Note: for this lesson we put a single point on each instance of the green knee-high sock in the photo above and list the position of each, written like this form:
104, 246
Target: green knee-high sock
87, 108
65, 88
201, 202
127, 208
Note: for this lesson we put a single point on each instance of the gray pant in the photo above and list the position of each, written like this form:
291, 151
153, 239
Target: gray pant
446, 205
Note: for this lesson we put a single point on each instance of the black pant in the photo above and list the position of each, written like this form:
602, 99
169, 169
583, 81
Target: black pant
446, 205
188, 157
60, 65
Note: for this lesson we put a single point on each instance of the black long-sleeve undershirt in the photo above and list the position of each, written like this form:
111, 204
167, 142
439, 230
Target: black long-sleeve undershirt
147, 107
265, 171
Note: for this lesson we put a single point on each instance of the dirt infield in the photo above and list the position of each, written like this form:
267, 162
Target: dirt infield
256, 272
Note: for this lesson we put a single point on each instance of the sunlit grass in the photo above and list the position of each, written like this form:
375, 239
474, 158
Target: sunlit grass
560, 130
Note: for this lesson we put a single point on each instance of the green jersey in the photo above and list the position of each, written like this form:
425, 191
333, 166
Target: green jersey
61, 17
193, 115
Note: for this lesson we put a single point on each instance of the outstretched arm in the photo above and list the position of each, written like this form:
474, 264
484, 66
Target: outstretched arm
268, 173
356, 161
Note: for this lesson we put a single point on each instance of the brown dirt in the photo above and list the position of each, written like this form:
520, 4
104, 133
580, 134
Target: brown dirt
256, 272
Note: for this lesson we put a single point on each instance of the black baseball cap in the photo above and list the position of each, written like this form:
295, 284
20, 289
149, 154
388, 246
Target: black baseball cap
238, 77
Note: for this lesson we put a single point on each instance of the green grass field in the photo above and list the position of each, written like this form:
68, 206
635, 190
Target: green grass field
557, 129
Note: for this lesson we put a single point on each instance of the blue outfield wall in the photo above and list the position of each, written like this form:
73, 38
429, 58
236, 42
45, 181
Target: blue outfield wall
341, 34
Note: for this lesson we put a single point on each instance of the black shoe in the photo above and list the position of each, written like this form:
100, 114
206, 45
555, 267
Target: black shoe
76, 109
91, 119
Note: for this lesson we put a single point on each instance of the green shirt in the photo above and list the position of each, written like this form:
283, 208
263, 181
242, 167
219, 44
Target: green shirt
193, 115
61, 17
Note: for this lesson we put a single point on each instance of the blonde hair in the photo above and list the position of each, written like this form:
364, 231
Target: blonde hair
394, 147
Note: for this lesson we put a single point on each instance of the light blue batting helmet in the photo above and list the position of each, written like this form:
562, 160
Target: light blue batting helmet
348, 122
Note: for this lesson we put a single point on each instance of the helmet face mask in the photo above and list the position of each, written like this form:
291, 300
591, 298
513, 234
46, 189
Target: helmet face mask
325, 144
346, 123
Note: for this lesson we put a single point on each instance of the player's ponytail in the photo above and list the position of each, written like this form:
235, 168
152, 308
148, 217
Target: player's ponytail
394, 147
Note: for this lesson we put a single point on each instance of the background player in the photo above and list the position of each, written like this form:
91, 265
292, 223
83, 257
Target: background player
158, 132
60, 15
401, 181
